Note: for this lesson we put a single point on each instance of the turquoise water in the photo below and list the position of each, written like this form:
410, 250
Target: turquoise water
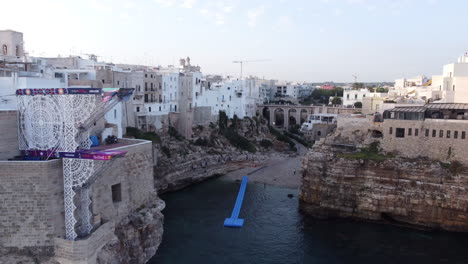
275, 232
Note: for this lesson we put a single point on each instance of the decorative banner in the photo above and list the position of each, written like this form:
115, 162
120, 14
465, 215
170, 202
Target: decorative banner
79, 154
84, 90
58, 91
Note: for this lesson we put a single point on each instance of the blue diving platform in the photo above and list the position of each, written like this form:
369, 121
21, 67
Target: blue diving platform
234, 220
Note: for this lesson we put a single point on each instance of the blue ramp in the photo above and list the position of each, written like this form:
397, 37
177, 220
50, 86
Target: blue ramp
235, 221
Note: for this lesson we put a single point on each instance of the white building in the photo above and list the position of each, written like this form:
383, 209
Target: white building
350, 97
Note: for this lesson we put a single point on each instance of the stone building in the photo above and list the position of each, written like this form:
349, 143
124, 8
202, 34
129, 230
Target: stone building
437, 131
11, 44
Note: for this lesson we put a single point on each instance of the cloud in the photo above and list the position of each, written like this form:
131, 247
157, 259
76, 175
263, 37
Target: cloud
338, 12
227, 9
285, 22
353, 2
124, 16
220, 19
204, 12
188, 3
165, 3
253, 15
99, 5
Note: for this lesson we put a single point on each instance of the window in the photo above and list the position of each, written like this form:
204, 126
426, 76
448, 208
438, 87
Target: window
453, 87
400, 132
17, 51
463, 134
116, 193
355, 96
390, 130
455, 134
138, 109
448, 133
410, 131
146, 75
150, 108
118, 82
441, 133
319, 133
347, 96
434, 133
159, 108
5, 50
115, 113
102, 80
416, 132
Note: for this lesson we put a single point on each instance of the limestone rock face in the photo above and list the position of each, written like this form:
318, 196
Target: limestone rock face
416, 192
138, 237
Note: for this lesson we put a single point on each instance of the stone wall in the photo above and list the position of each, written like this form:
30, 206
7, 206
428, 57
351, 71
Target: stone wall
31, 204
8, 134
419, 143
86, 250
415, 192
134, 173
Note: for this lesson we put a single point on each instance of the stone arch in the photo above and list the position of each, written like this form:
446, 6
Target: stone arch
278, 119
292, 118
303, 115
266, 114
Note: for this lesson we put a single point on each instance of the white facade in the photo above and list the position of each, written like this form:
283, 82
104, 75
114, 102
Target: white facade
350, 97
9, 85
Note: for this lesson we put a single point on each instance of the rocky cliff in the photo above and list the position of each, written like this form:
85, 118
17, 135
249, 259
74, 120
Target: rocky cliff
182, 162
137, 237
339, 182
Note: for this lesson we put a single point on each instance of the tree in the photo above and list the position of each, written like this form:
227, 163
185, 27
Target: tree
358, 104
357, 85
336, 101
381, 90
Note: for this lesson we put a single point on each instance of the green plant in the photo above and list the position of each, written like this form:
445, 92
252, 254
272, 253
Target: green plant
298, 139
358, 104
138, 134
174, 133
151, 136
282, 137
222, 121
455, 167
336, 101
166, 151
133, 132
201, 142
370, 152
266, 143
238, 141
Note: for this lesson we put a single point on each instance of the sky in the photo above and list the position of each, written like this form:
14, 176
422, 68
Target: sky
298, 40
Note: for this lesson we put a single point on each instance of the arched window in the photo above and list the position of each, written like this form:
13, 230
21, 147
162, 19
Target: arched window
5, 50
17, 51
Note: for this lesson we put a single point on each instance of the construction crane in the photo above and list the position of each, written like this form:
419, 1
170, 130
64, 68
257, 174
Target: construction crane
241, 62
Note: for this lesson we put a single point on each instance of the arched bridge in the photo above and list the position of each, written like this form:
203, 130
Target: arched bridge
286, 115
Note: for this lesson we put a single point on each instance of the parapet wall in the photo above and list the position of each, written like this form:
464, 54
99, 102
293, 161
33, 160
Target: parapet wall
8, 134
31, 203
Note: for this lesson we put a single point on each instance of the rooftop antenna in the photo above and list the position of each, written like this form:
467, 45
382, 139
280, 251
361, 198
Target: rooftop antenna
241, 62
